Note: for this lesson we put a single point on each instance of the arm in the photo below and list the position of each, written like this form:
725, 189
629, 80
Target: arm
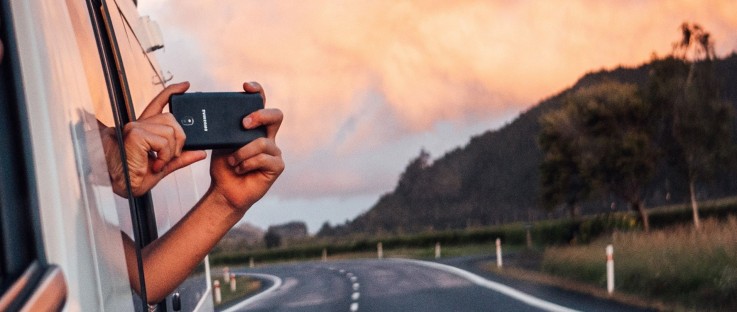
239, 179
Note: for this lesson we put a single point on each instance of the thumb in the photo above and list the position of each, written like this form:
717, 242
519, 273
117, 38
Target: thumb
187, 158
159, 102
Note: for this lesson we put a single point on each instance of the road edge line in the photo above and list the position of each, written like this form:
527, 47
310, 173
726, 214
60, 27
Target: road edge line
501, 288
275, 279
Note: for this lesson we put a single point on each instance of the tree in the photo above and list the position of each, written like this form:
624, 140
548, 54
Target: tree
410, 179
699, 119
326, 230
602, 139
561, 179
272, 239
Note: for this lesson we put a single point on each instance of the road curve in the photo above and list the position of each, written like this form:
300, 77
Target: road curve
394, 285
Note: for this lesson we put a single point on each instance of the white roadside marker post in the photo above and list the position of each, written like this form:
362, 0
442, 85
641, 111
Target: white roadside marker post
498, 253
226, 274
380, 250
610, 269
216, 290
324, 254
250, 263
232, 282
437, 250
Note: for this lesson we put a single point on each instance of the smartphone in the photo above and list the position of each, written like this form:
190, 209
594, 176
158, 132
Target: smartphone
213, 120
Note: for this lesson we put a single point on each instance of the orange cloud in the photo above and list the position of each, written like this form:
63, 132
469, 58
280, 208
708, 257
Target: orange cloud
354, 75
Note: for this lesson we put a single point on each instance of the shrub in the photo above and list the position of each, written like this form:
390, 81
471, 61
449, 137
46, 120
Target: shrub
694, 268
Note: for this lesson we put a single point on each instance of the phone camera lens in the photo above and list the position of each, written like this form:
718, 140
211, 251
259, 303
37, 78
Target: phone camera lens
187, 121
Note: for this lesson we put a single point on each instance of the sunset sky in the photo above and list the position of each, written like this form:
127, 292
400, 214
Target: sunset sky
364, 85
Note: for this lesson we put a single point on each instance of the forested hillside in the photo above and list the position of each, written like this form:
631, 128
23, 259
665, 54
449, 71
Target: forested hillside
495, 178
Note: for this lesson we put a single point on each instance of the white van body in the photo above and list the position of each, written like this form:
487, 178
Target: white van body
78, 219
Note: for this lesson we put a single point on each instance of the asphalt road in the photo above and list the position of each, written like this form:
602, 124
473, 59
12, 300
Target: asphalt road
406, 285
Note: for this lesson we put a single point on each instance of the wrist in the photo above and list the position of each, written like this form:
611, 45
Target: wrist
216, 198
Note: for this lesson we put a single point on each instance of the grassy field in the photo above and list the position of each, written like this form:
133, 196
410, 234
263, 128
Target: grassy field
246, 287
695, 269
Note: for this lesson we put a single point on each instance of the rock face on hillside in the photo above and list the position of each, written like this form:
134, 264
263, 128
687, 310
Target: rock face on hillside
494, 178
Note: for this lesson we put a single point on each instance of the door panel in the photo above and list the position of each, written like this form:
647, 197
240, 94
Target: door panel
36, 290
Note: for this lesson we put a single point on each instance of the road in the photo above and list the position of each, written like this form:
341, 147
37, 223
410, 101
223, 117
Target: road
406, 285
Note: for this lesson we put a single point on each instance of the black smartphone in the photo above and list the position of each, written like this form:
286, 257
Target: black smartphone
213, 120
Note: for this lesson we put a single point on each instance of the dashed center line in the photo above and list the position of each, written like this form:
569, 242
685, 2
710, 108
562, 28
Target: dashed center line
355, 295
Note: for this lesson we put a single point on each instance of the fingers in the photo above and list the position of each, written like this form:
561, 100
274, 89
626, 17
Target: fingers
165, 125
139, 142
261, 154
143, 137
254, 87
186, 159
271, 118
262, 162
159, 102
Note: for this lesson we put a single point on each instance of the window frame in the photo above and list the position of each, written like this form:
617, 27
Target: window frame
141, 208
26, 275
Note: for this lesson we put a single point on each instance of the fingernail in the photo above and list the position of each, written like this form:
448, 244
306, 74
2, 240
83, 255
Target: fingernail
231, 161
247, 122
238, 170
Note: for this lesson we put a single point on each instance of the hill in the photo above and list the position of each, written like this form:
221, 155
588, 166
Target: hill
241, 235
494, 179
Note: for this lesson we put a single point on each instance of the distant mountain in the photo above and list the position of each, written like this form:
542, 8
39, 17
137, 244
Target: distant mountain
284, 234
494, 178
241, 235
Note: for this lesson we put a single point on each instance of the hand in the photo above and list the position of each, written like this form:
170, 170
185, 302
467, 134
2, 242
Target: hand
153, 147
243, 177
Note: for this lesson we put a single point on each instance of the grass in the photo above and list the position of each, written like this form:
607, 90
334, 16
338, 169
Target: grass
682, 265
246, 287
411, 253
543, 233
428, 252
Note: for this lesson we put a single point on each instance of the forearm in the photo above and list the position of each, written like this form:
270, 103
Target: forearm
170, 259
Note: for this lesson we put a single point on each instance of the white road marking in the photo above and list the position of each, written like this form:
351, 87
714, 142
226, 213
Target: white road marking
355, 286
355, 296
501, 288
354, 307
276, 284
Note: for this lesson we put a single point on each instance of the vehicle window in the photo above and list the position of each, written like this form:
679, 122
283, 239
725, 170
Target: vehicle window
111, 224
173, 196
171, 199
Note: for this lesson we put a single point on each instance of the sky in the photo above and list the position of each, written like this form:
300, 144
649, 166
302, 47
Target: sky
365, 85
